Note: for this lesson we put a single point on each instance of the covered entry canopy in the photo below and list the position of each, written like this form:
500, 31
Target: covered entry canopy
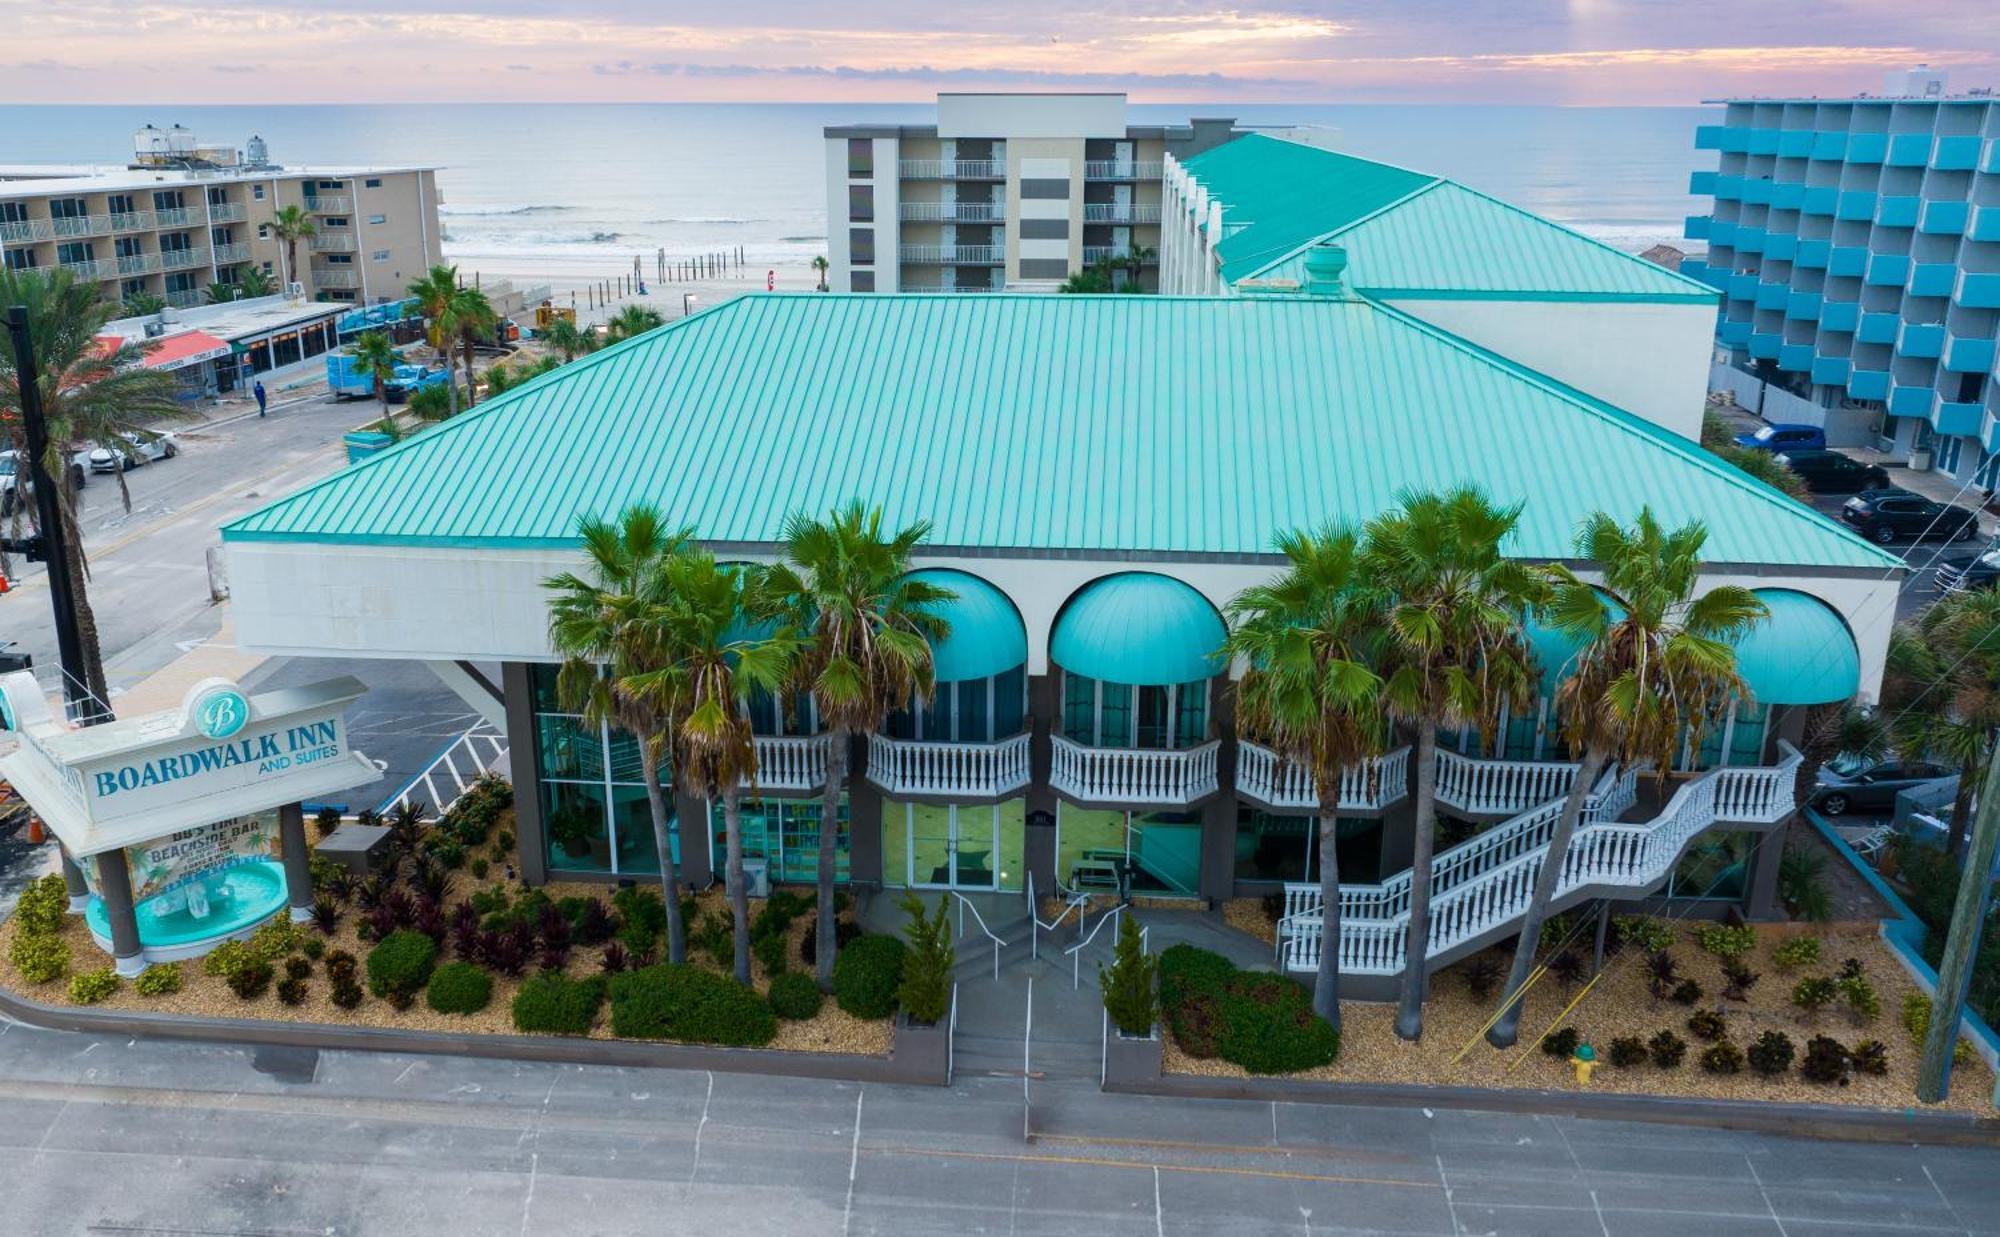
1802, 654
986, 638
1139, 628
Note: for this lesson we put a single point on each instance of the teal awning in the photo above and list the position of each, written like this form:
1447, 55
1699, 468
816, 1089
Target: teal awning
1556, 649
1802, 654
1139, 628
986, 638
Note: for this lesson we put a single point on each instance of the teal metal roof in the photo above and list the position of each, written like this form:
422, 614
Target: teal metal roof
1279, 195
986, 638
1802, 654
1139, 627
1407, 234
1036, 424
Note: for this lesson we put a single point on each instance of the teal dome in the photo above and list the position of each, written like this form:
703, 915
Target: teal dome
1139, 628
986, 638
1802, 654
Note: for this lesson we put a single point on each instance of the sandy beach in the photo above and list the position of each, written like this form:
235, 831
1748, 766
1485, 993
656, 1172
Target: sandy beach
672, 297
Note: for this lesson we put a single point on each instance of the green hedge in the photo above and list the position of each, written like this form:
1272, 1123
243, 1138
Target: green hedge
552, 1004
459, 988
401, 964
794, 996
866, 975
1264, 1023
688, 1004
41, 907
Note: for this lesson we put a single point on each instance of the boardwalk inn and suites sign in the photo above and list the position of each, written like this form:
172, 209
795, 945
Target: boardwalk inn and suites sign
183, 829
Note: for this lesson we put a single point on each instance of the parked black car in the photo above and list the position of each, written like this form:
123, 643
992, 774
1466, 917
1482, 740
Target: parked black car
1893, 514
1849, 785
1830, 472
1973, 573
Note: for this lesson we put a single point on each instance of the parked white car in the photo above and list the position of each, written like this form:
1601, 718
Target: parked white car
10, 471
139, 450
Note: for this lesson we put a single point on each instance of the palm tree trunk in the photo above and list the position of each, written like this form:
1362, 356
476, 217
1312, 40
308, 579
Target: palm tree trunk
829, 827
1961, 810
1326, 988
1416, 950
1507, 1029
471, 387
86, 618
670, 874
739, 896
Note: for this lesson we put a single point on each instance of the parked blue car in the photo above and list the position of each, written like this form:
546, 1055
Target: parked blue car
1780, 436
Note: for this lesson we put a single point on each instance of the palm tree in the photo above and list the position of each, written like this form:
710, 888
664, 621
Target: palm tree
291, 224
566, 337
1656, 662
1309, 693
141, 305
868, 631
618, 665
436, 295
220, 293
91, 396
431, 403
1943, 686
253, 281
1455, 653
1136, 257
722, 661
376, 357
631, 321
475, 319
503, 378
1093, 278
820, 267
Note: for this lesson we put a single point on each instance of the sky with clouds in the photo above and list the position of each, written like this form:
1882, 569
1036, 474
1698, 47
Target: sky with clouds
1501, 51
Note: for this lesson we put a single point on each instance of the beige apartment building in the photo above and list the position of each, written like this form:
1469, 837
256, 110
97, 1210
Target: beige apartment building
1005, 191
183, 217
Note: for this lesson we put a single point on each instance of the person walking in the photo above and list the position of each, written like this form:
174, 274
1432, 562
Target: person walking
262, 398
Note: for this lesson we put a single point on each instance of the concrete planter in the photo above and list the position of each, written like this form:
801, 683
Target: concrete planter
921, 1052
1130, 1062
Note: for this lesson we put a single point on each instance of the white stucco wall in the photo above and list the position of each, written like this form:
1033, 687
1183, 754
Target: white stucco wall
443, 604
1651, 359
1031, 115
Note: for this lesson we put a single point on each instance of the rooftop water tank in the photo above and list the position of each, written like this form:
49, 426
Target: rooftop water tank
256, 154
149, 143
181, 140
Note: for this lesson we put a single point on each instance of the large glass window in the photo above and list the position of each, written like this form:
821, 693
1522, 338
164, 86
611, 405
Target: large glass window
965, 711
784, 833
595, 815
1102, 714
1716, 865
954, 846
1273, 847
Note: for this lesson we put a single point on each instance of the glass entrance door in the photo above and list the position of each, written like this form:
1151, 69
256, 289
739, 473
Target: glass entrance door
952, 847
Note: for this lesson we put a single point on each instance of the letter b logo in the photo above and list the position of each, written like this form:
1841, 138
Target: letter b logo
221, 714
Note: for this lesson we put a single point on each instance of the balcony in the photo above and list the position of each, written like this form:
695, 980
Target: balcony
1764, 345
226, 212
1708, 137
1910, 399
98, 268
1820, 200
790, 762
1787, 195
1797, 358
956, 169
1721, 232
1743, 287
1955, 420
1922, 339
174, 217
1848, 261
1728, 188
952, 212
1812, 255
336, 205
1756, 191
1773, 295
182, 259
1908, 150
1696, 227
953, 255
1985, 225
326, 277
1877, 328
1899, 211
1264, 777
81, 225
1735, 334
187, 298
134, 221
1888, 270
1795, 143
1964, 355
1839, 315
1803, 306
1831, 371
138, 263
1121, 212
333, 242
1780, 246
1121, 775
1702, 184
1112, 253
1867, 147
1857, 204
23, 230
1945, 218
1933, 278
946, 289
1868, 384
1120, 169
1830, 144
238, 252
1978, 291
1749, 240
948, 770
1763, 141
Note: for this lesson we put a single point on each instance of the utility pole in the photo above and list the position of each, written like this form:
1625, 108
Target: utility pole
1961, 942
50, 544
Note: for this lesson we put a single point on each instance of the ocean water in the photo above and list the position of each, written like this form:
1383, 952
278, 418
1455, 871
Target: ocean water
576, 191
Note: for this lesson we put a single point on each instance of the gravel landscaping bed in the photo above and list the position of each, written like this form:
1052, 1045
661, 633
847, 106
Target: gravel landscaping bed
1621, 1005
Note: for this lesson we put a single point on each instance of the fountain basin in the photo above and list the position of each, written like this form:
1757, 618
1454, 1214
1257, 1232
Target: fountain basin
237, 900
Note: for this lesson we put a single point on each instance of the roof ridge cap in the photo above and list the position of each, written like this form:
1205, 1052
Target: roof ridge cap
1564, 228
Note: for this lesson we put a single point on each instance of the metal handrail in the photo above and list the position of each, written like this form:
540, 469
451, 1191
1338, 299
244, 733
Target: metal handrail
1072, 901
448, 762
1075, 952
965, 904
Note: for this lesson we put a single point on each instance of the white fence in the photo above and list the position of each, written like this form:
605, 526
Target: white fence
1133, 775
902, 766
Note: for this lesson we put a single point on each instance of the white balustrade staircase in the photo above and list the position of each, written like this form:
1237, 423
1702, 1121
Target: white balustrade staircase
1480, 889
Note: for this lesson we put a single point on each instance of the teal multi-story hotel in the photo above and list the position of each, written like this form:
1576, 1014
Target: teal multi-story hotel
1856, 243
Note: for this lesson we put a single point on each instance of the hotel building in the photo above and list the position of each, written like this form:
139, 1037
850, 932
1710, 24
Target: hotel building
1856, 243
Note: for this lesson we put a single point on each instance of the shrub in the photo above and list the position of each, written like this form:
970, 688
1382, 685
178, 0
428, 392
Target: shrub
615, 958
1687, 992
459, 988
1917, 1021
1797, 952
1707, 1025
1737, 979
341, 965
226, 959
1193, 983
689, 1004
275, 939
925, 989
645, 916
1861, 997
90, 987
1800, 884
1555, 930
1627, 1051
1483, 975
1870, 1056
1666, 1049
1561, 1042
795, 996
1722, 1057
1772, 1054
345, 992
292, 991
1127, 983
400, 965
1726, 940
39, 957
867, 974
1269, 1027
480, 868
1567, 966
313, 947
1812, 993
250, 979
1825, 1061
41, 907
594, 924
1650, 935
330, 878
845, 933
325, 821
553, 1004
772, 952
1663, 973
159, 979
297, 968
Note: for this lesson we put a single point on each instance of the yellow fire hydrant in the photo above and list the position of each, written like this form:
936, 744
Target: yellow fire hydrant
1584, 1060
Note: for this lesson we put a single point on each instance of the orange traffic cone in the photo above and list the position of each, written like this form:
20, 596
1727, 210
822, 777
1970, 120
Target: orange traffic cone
36, 833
